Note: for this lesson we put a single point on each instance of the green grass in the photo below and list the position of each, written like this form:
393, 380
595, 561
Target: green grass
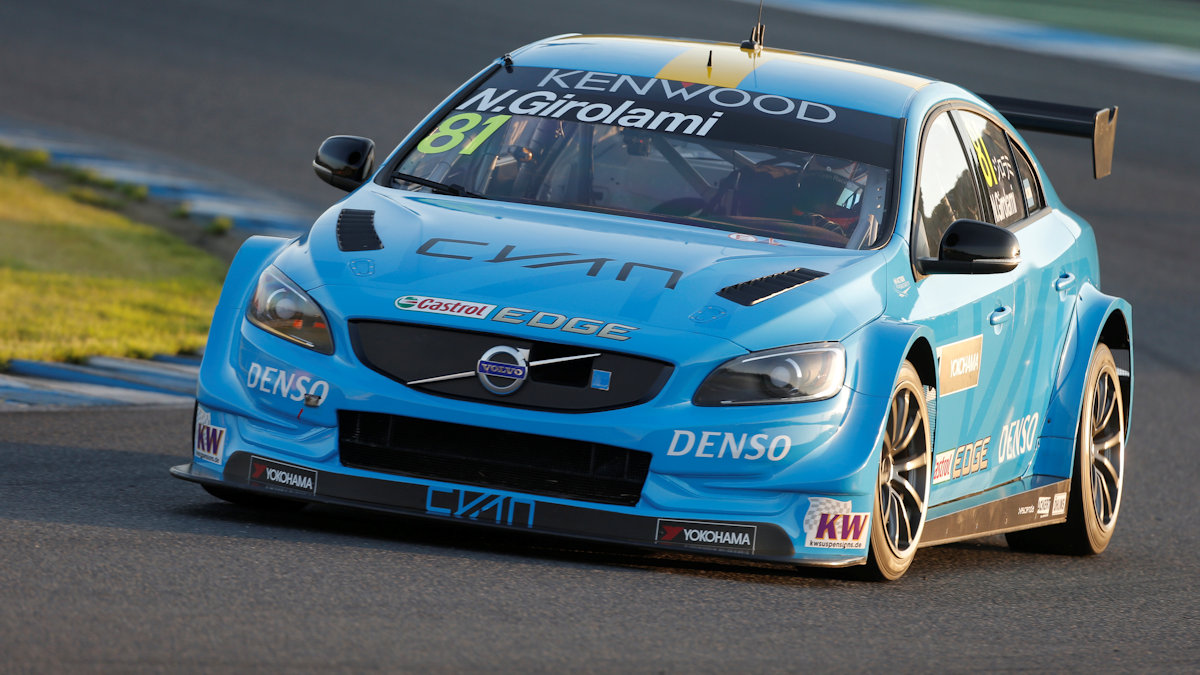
77, 280
1165, 21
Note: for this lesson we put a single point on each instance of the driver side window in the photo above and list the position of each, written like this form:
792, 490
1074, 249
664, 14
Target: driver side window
947, 190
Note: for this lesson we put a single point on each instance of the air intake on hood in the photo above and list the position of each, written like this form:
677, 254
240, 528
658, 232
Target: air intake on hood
756, 290
356, 231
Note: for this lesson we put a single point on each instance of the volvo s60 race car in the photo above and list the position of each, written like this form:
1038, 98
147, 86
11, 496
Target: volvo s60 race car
688, 296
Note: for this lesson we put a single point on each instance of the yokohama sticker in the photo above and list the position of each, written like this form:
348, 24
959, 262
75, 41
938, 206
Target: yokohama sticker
274, 475
959, 364
830, 523
698, 534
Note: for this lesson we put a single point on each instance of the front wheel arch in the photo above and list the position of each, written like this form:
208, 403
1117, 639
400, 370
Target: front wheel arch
903, 481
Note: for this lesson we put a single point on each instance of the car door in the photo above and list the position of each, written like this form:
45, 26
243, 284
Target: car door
1043, 286
972, 317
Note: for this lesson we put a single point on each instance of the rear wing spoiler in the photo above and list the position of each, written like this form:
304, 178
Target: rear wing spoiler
1059, 118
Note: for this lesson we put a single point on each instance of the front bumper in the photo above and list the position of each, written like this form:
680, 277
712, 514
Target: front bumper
688, 502
784, 482
498, 509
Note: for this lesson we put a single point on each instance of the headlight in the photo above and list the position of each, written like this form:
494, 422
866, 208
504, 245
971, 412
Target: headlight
809, 372
281, 307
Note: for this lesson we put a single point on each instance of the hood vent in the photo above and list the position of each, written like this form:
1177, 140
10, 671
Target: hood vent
356, 231
756, 290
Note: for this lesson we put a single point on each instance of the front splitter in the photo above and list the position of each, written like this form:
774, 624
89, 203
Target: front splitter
505, 510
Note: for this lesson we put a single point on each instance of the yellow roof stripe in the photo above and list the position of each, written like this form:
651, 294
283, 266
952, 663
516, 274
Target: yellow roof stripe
730, 65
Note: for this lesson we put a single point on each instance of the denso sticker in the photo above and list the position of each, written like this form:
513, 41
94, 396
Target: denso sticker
421, 303
209, 440
280, 476
1018, 437
281, 383
719, 444
831, 523
694, 533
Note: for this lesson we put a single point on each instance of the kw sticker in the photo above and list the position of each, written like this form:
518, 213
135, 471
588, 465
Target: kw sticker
209, 439
830, 523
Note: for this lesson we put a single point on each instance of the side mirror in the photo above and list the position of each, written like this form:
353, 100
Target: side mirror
345, 162
974, 247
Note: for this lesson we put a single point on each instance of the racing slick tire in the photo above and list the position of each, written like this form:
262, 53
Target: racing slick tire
253, 500
902, 485
1099, 473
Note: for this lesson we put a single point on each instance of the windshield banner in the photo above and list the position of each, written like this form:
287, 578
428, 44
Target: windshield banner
690, 109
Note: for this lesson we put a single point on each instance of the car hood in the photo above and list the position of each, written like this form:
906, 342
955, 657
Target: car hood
645, 274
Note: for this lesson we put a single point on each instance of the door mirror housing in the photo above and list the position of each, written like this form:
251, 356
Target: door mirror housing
345, 162
974, 247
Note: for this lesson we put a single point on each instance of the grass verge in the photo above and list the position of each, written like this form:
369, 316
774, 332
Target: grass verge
1165, 21
78, 280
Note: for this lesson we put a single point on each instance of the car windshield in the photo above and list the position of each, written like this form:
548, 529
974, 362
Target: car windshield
698, 165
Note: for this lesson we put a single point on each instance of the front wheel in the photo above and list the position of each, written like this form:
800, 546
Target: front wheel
1099, 475
902, 485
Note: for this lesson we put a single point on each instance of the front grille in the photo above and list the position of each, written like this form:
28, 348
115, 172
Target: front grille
578, 379
495, 458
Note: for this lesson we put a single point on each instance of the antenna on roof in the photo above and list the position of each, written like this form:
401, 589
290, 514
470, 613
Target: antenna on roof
755, 43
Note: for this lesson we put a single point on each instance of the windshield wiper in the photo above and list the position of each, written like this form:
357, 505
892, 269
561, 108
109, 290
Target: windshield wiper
440, 188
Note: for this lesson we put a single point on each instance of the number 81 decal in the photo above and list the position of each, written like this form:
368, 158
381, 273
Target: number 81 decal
453, 131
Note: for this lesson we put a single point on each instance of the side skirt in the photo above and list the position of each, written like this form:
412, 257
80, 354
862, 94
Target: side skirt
1045, 505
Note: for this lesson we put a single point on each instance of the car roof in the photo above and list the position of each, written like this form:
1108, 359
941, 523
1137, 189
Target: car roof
823, 79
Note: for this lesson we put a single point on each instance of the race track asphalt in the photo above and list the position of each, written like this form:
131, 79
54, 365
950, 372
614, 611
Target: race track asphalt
107, 563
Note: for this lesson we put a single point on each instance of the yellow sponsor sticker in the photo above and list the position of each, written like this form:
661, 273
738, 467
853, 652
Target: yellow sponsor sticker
718, 65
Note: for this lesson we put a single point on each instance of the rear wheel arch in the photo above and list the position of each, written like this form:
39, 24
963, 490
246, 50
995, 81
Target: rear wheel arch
1098, 473
1099, 319
1117, 336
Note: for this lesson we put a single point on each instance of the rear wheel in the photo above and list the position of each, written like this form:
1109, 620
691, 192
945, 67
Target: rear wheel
1098, 478
902, 485
252, 500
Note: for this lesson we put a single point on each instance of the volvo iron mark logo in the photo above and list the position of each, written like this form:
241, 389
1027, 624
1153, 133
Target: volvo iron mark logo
502, 370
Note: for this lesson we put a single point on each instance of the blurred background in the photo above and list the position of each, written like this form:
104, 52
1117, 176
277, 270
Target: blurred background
243, 92
247, 91
250, 89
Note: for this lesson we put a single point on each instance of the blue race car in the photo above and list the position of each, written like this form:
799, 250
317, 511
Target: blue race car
689, 296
